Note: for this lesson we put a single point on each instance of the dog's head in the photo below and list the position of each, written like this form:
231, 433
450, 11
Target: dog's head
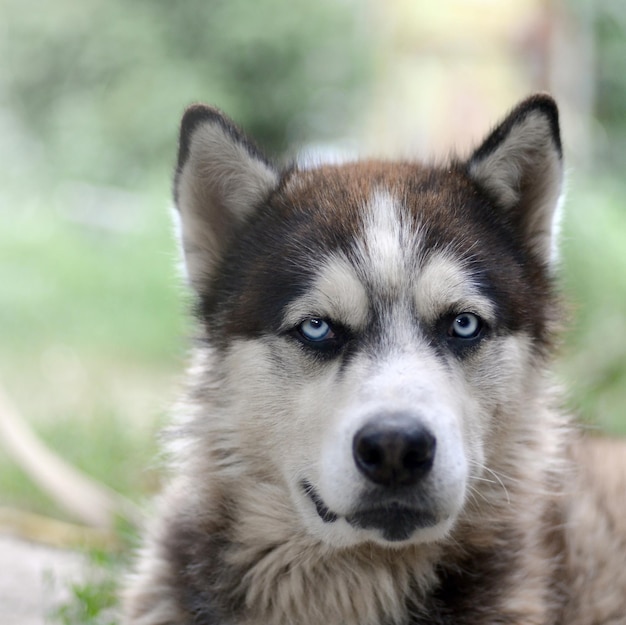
375, 328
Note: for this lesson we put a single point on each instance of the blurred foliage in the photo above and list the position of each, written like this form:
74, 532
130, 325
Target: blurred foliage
608, 21
592, 363
97, 86
88, 347
610, 28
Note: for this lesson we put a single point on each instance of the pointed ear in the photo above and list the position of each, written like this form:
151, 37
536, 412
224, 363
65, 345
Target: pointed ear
519, 165
221, 178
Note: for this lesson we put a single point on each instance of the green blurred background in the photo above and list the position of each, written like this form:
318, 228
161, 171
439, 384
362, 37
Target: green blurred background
93, 319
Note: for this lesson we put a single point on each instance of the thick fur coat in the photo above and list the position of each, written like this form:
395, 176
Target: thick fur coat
369, 435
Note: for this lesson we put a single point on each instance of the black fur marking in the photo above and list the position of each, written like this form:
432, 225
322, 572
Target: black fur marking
199, 114
486, 240
540, 103
272, 262
205, 586
471, 592
322, 510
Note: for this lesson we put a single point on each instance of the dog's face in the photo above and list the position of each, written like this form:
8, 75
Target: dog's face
370, 324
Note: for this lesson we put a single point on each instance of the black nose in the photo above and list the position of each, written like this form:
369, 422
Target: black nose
394, 450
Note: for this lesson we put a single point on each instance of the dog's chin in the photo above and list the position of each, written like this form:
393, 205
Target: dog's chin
393, 523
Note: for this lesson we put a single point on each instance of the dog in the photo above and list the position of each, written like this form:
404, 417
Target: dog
370, 435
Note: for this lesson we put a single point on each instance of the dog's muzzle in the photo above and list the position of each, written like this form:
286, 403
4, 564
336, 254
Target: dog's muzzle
394, 453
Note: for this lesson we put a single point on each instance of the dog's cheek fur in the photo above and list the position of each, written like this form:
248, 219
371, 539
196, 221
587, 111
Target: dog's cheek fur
270, 406
502, 392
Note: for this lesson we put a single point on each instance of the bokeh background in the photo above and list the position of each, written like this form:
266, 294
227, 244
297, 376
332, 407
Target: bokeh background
93, 321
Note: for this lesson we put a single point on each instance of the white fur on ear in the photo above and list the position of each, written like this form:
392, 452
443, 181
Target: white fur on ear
520, 167
221, 179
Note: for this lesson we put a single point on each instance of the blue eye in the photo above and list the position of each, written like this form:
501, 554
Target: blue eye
465, 326
316, 330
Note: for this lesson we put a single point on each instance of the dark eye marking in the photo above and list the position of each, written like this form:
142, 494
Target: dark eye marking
316, 330
465, 326
320, 335
462, 332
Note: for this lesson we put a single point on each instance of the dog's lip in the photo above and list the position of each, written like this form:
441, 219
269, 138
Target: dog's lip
322, 510
396, 521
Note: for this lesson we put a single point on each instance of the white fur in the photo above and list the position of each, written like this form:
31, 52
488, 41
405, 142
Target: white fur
336, 293
443, 283
405, 380
387, 243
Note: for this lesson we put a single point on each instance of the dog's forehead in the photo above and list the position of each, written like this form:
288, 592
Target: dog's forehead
343, 190
346, 198
371, 237
384, 233
384, 216
384, 251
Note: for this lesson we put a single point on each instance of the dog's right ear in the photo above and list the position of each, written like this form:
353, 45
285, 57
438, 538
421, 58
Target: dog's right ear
221, 178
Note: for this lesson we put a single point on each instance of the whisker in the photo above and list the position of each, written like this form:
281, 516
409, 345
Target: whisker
498, 479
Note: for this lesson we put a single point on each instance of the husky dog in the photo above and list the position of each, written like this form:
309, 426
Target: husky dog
369, 435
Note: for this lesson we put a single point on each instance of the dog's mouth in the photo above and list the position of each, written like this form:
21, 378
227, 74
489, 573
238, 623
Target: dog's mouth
322, 510
394, 520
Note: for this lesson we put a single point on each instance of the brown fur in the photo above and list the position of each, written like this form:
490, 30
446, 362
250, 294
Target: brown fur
540, 538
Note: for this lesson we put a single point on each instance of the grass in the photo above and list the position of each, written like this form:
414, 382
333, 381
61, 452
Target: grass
94, 600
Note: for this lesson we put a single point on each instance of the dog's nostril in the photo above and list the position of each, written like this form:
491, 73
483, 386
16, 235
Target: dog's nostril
370, 454
394, 450
420, 449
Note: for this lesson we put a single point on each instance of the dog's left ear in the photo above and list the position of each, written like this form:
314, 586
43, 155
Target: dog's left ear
221, 179
519, 166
